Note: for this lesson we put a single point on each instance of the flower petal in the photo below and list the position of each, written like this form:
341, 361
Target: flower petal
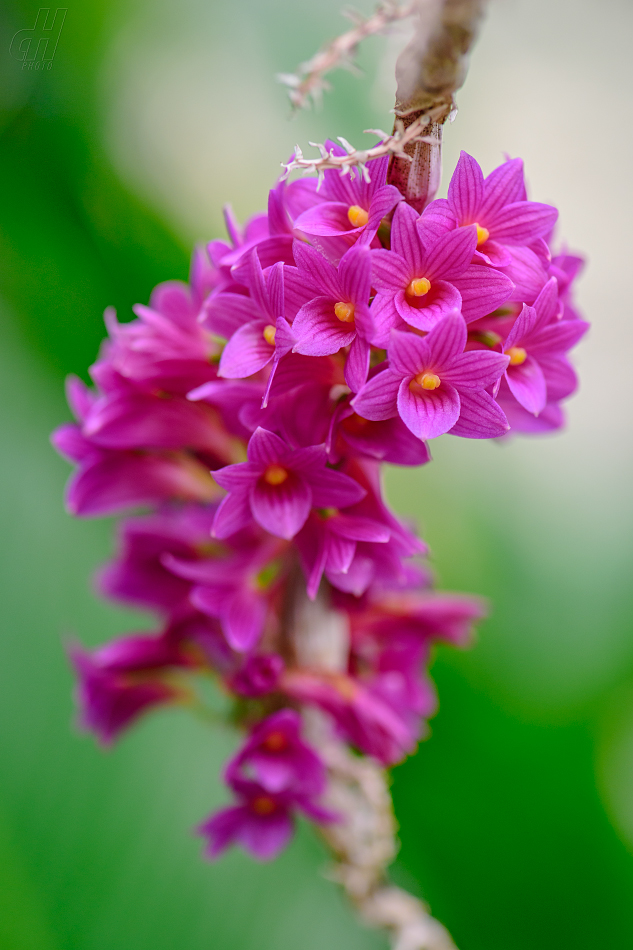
389, 271
265, 448
466, 189
527, 385
522, 222
483, 289
246, 352
354, 275
480, 417
424, 312
450, 256
357, 364
477, 369
409, 353
281, 509
331, 489
318, 330
243, 620
446, 340
405, 239
428, 413
233, 514
503, 186
377, 399
316, 273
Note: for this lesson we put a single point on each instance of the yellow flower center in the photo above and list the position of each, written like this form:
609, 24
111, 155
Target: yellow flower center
428, 380
344, 312
263, 805
275, 742
275, 475
517, 355
419, 287
482, 234
269, 334
357, 216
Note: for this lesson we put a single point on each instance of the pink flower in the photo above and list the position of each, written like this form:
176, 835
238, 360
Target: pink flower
538, 371
427, 274
347, 208
337, 313
262, 822
276, 757
495, 205
278, 486
435, 387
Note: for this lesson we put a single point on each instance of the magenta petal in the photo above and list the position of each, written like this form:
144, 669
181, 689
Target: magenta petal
318, 330
382, 202
428, 413
527, 385
233, 514
405, 239
451, 254
331, 489
384, 318
265, 448
483, 289
466, 189
237, 477
246, 352
340, 554
522, 222
557, 337
480, 417
477, 369
492, 253
316, 272
282, 509
521, 327
222, 829
390, 272
360, 529
243, 620
357, 364
327, 220
445, 341
266, 837
354, 274
559, 376
226, 313
527, 274
378, 399
409, 353
503, 186
296, 292
443, 298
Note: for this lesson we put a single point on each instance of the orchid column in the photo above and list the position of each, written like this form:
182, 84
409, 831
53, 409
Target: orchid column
240, 423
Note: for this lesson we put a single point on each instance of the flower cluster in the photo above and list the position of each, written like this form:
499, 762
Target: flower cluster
249, 412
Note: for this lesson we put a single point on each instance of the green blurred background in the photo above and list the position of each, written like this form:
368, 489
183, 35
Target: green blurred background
517, 815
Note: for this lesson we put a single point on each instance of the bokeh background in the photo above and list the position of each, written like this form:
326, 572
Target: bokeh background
517, 815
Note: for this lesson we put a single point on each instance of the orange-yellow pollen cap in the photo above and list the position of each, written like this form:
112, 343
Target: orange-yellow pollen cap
269, 334
263, 805
482, 234
517, 355
344, 311
357, 216
428, 380
275, 475
419, 287
275, 742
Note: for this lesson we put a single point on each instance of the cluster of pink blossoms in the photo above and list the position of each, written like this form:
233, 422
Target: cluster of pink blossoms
249, 412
